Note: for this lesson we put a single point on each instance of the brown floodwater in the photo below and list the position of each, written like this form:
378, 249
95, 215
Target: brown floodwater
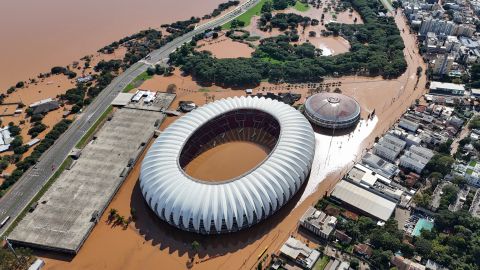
37, 35
226, 161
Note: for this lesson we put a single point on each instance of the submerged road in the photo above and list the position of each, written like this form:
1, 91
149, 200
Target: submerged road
28, 186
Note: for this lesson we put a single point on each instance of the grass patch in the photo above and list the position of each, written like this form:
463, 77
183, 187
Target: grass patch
271, 60
472, 163
247, 16
302, 7
204, 90
469, 171
137, 82
65, 164
322, 263
254, 38
86, 138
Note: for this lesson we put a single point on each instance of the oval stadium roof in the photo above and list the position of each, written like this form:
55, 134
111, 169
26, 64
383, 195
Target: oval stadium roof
218, 207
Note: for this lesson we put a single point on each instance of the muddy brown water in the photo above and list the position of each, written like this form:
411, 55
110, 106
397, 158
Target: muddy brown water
226, 161
37, 35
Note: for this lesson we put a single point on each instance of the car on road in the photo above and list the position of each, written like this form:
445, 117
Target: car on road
4, 221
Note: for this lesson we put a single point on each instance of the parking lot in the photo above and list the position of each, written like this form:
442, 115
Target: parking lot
67, 212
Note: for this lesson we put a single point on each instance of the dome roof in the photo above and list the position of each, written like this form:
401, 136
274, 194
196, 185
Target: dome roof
217, 207
332, 108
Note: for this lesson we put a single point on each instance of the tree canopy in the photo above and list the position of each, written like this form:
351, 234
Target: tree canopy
376, 49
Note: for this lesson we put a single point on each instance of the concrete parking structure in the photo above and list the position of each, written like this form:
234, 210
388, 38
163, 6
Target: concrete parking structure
69, 210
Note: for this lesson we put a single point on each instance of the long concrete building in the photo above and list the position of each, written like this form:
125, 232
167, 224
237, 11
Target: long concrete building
69, 210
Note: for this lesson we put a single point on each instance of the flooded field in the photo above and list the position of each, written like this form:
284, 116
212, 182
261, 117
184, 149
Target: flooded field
37, 35
226, 161
226, 48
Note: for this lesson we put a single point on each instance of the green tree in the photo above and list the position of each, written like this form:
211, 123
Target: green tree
195, 246
267, 7
14, 130
381, 259
440, 163
354, 264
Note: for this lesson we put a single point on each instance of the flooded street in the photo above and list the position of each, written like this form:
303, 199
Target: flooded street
226, 161
37, 35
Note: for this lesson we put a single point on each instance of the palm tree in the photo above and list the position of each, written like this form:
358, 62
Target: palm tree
112, 214
120, 220
195, 246
206, 97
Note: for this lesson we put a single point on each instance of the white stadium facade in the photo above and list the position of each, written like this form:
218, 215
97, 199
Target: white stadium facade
220, 207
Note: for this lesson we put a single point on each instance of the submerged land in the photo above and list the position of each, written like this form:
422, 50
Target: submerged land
335, 46
148, 242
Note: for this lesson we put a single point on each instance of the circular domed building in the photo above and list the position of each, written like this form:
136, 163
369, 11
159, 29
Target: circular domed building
229, 205
332, 110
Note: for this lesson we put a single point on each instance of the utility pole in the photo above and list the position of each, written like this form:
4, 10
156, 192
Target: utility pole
10, 247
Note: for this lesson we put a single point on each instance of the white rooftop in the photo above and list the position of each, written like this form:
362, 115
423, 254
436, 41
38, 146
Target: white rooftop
122, 99
364, 200
299, 252
40, 102
435, 85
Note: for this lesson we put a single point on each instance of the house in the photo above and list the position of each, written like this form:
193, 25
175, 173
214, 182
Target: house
475, 92
342, 237
411, 179
408, 125
434, 266
471, 172
299, 253
379, 165
318, 222
412, 140
44, 106
363, 250
405, 264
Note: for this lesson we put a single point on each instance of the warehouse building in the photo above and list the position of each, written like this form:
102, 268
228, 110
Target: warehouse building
363, 200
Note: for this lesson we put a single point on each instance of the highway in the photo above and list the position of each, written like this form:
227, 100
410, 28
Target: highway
20, 195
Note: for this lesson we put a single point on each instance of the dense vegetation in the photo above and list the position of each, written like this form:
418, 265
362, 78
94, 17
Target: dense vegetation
278, 60
454, 241
475, 76
21, 260
384, 53
221, 7
24, 165
385, 240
